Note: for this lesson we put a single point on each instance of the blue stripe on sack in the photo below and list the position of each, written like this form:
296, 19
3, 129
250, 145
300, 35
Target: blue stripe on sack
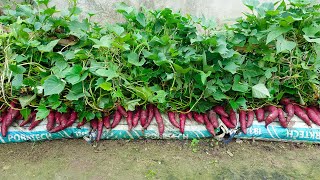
284, 134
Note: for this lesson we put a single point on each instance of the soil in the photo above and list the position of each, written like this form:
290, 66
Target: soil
158, 159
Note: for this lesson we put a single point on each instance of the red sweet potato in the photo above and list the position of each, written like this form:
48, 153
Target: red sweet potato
3, 114
189, 115
250, 117
129, 120
313, 116
212, 115
57, 129
100, 129
282, 119
106, 122
220, 110
260, 114
143, 117
64, 118
159, 121
50, 120
273, 114
285, 101
72, 118
83, 122
182, 118
116, 119
208, 124
198, 117
172, 119
23, 123
226, 122
290, 111
315, 109
233, 117
34, 123
57, 116
11, 115
298, 111
242, 120
122, 111
94, 124
150, 116
136, 118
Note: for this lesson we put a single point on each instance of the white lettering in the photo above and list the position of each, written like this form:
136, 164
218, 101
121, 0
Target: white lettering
16, 137
301, 134
10, 137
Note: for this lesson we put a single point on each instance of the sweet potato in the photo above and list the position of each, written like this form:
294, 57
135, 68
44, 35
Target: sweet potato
208, 124
315, 110
143, 117
282, 119
260, 114
106, 122
57, 129
11, 115
57, 116
72, 118
34, 123
285, 101
116, 119
94, 124
242, 121
301, 114
83, 122
220, 110
172, 119
290, 112
64, 119
226, 122
150, 116
3, 114
198, 117
182, 118
159, 121
213, 118
23, 123
273, 114
50, 120
100, 129
129, 120
136, 118
233, 117
189, 115
313, 116
122, 111
250, 117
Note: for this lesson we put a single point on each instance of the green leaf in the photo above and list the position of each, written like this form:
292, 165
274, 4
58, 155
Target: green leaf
269, 71
110, 73
53, 85
74, 74
133, 58
283, 45
180, 69
311, 31
276, 32
105, 41
160, 97
106, 86
231, 67
204, 76
260, 91
75, 93
26, 100
239, 86
53, 101
42, 113
17, 69
315, 40
141, 19
131, 105
49, 47
251, 4
25, 113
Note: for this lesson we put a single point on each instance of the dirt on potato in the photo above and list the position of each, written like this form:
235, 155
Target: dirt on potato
159, 159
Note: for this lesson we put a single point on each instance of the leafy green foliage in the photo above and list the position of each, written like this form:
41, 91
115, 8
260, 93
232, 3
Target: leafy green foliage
177, 62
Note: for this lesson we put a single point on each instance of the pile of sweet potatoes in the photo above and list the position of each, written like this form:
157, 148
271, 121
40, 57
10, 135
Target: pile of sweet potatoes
57, 121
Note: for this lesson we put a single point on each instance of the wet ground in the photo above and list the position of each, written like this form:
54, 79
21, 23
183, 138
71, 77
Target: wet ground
158, 159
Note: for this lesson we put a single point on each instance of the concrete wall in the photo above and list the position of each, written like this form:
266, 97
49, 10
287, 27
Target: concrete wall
221, 10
